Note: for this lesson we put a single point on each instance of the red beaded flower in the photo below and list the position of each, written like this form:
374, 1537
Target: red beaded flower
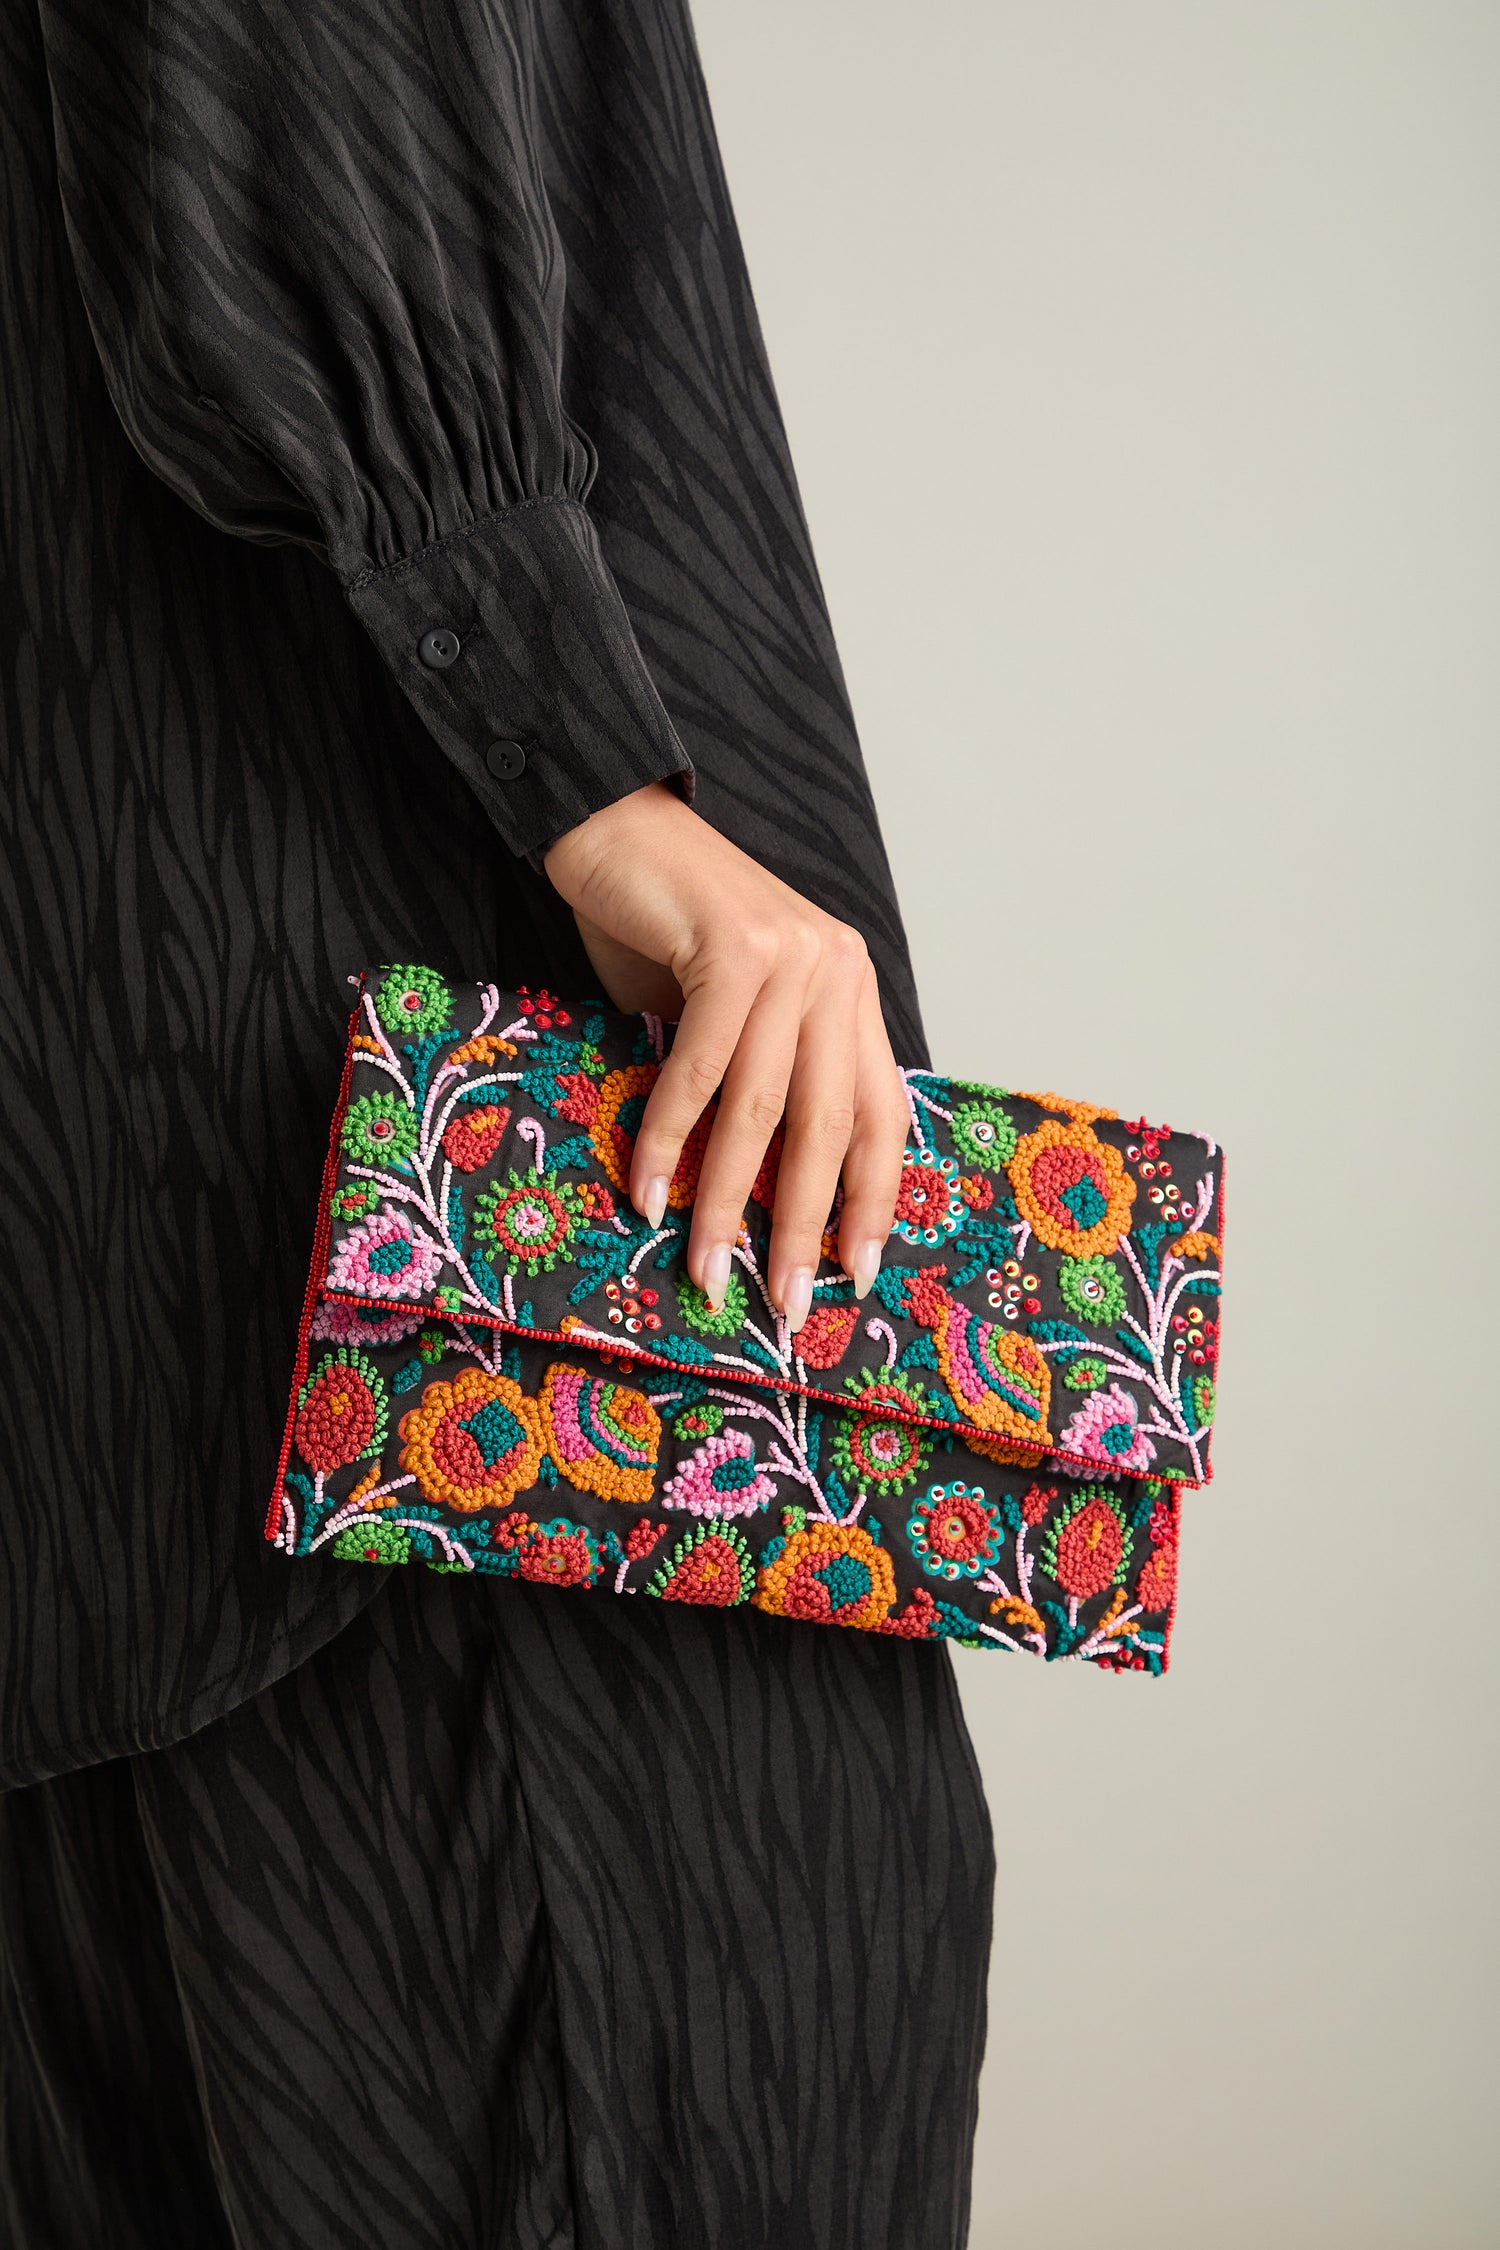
342, 1412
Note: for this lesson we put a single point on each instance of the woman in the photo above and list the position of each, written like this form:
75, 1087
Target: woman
391, 449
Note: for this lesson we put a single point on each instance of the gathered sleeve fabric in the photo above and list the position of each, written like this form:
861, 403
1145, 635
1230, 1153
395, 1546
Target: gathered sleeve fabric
314, 242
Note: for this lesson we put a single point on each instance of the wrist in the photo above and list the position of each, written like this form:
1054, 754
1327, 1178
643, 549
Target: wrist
572, 860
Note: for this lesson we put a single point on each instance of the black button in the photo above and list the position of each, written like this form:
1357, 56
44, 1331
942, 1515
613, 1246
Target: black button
505, 760
439, 648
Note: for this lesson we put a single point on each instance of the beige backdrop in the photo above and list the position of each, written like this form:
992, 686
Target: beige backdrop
1142, 361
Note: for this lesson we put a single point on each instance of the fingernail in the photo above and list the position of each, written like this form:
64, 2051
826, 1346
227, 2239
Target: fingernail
865, 1267
798, 1297
654, 1201
716, 1275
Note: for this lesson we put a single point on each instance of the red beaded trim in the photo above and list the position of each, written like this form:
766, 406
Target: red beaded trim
1166, 1639
758, 1381
319, 1266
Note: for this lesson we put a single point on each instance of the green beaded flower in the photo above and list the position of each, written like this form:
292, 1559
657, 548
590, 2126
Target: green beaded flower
379, 1129
872, 1445
869, 1450
1092, 1289
414, 1002
1085, 1373
984, 1134
356, 1200
889, 1387
703, 1419
700, 1315
529, 1223
373, 1542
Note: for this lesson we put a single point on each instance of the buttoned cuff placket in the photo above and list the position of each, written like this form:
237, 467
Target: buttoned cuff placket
511, 641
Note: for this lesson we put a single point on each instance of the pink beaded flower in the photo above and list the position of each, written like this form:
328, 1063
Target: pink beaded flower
386, 1257
720, 1479
1104, 1430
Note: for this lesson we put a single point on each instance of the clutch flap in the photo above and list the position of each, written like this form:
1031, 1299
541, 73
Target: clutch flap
1049, 1291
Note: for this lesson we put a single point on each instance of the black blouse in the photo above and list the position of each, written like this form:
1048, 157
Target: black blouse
437, 309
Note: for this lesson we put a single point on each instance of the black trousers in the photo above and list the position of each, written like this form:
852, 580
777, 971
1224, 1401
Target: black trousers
511, 1917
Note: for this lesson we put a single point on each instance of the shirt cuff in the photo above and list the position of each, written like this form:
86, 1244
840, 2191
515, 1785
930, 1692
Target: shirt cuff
512, 643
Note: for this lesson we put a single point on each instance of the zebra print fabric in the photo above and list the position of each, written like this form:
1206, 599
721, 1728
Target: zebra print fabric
533, 1926
321, 326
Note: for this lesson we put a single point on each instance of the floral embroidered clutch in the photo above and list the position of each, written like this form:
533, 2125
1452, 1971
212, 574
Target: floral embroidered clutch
503, 1369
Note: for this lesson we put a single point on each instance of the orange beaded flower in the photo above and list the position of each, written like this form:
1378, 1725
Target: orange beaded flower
830, 1574
1072, 1189
475, 1442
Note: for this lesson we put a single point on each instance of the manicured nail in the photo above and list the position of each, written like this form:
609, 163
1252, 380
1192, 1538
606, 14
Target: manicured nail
865, 1267
798, 1294
654, 1202
716, 1275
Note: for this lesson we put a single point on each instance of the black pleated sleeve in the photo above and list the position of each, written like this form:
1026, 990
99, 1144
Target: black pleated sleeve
321, 270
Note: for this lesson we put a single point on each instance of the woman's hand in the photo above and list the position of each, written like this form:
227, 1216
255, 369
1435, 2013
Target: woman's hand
778, 1014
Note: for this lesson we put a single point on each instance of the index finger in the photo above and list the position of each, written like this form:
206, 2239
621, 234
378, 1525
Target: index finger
713, 1016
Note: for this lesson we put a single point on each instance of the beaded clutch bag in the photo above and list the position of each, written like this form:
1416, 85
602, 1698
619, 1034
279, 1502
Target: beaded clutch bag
502, 1369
